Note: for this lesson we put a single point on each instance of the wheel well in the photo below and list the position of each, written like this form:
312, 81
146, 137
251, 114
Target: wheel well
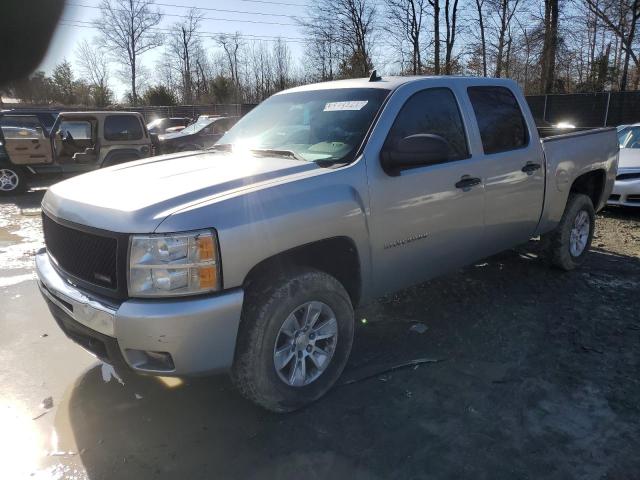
336, 256
590, 184
117, 156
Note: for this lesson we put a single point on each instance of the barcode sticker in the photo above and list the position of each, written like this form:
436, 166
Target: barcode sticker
350, 105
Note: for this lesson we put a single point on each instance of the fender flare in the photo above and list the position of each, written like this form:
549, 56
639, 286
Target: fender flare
125, 152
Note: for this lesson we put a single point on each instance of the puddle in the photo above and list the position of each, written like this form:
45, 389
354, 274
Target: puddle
20, 237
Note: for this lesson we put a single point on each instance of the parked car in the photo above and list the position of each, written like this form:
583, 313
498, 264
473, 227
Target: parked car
199, 135
252, 256
626, 190
79, 142
167, 125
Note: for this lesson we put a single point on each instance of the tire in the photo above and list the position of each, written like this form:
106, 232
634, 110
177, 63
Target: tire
561, 252
13, 180
268, 306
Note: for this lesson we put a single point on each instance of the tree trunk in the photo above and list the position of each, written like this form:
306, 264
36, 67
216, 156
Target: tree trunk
436, 37
134, 94
550, 45
483, 41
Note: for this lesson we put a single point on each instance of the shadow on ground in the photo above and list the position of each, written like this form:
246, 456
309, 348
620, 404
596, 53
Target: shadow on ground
537, 376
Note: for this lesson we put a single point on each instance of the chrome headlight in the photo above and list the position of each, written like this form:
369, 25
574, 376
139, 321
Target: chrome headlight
174, 264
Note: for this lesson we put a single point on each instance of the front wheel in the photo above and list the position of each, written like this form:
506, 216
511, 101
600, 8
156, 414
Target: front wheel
570, 241
294, 340
12, 180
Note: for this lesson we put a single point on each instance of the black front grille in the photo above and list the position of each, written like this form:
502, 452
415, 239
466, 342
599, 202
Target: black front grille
614, 197
87, 256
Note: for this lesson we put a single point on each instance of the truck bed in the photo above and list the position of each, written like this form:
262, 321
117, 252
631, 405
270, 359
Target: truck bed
569, 155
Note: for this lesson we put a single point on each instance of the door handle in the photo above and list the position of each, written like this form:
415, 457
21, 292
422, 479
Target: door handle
530, 167
468, 181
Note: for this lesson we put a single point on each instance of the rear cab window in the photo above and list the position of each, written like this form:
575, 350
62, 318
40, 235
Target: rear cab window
500, 121
122, 128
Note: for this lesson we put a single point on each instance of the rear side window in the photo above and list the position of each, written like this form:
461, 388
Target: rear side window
122, 127
502, 126
433, 111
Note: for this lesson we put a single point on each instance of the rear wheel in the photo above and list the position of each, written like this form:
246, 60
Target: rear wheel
294, 340
570, 241
12, 180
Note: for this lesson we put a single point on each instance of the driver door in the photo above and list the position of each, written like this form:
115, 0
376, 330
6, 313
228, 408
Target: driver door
25, 141
425, 220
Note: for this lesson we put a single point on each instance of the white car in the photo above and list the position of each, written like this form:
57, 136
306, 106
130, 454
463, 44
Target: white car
626, 190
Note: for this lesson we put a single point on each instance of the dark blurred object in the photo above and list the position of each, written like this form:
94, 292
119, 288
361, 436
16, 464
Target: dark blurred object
25, 33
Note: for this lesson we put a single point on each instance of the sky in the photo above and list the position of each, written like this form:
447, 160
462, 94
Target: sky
256, 19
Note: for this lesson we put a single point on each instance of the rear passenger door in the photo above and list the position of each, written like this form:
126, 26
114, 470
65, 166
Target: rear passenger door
512, 166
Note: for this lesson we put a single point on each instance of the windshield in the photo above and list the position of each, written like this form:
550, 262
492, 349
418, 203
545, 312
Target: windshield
155, 123
629, 137
199, 125
316, 125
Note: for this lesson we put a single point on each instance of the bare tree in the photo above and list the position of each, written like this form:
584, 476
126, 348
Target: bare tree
231, 45
183, 45
127, 30
550, 46
435, 5
282, 63
483, 38
505, 9
621, 17
352, 22
404, 23
94, 66
451, 17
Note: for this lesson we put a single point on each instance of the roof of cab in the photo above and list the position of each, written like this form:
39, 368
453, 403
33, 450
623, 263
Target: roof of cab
393, 82
98, 114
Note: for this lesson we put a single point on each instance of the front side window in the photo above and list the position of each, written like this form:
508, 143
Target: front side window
122, 128
502, 126
433, 111
316, 126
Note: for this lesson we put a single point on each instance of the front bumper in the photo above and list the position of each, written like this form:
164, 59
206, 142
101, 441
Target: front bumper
197, 333
626, 193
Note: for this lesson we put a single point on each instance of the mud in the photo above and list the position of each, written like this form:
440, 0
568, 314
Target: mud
521, 372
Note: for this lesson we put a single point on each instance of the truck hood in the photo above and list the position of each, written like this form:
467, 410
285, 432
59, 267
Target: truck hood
137, 196
629, 158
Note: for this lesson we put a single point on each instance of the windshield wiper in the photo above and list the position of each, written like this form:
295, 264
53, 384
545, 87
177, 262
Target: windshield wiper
276, 152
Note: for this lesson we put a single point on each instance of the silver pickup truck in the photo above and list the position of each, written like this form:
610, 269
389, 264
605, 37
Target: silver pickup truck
251, 256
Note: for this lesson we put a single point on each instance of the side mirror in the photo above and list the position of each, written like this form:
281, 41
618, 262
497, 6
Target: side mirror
415, 151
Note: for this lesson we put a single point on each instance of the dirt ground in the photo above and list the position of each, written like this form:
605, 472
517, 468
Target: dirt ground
517, 371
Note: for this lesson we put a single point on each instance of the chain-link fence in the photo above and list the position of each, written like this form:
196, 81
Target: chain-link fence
579, 109
150, 113
586, 109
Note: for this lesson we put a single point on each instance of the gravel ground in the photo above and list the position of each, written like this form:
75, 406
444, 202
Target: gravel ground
505, 369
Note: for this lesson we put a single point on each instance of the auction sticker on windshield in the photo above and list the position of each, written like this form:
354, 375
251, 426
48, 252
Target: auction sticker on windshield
351, 105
